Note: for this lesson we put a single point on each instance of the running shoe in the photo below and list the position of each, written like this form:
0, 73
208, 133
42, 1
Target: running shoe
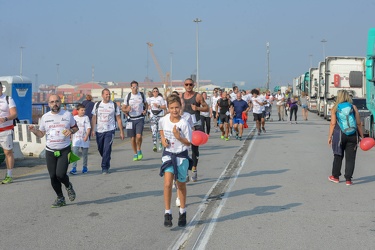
194, 176
349, 183
240, 138
160, 146
7, 180
182, 219
333, 179
178, 203
222, 137
237, 136
105, 171
71, 192
227, 138
168, 220
140, 156
84, 170
73, 171
154, 148
264, 130
59, 202
135, 157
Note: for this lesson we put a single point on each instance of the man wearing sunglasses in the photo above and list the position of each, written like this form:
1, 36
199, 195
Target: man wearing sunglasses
194, 104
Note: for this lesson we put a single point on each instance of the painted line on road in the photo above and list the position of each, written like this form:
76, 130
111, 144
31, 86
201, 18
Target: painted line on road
187, 233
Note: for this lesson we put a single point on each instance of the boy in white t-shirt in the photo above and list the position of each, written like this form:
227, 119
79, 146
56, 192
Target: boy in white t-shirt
176, 137
80, 140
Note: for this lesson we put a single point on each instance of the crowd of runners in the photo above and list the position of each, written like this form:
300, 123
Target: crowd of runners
173, 119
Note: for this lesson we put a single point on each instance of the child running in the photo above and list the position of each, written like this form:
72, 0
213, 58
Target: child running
80, 140
175, 135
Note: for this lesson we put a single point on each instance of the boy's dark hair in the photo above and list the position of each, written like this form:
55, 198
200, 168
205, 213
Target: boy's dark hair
255, 91
175, 93
80, 106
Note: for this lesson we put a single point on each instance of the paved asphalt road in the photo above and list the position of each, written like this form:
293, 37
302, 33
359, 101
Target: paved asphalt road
267, 192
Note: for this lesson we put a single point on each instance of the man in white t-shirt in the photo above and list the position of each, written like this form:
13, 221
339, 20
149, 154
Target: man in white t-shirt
8, 112
58, 125
280, 103
105, 114
135, 105
214, 100
256, 104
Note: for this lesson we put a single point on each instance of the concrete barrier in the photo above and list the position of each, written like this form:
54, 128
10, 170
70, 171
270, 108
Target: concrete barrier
29, 144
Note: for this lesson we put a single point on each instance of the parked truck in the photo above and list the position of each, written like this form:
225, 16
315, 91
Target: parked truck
320, 88
343, 72
312, 88
370, 82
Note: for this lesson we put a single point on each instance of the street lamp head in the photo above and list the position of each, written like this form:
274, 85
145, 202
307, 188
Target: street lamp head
197, 20
323, 40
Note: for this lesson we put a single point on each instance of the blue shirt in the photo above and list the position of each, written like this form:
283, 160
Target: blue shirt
239, 107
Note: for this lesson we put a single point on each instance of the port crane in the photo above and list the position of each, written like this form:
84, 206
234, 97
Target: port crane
164, 78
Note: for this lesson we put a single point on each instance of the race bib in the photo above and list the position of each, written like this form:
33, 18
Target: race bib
129, 125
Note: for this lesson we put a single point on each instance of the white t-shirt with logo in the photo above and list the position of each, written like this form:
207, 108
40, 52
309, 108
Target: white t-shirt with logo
158, 101
175, 146
136, 104
83, 123
246, 98
233, 96
4, 110
257, 108
263, 98
54, 125
105, 116
207, 113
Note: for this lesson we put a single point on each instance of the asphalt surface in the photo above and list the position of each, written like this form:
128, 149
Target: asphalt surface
266, 192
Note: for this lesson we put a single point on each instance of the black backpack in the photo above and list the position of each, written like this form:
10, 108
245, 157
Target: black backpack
15, 120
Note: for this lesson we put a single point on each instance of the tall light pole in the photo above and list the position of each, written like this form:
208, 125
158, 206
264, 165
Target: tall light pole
324, 48
21, 60
268, 65
197, 21
171, 68
57, 76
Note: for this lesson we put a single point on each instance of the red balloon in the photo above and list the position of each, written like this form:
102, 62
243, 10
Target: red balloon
198, 138
367, 143
74, 112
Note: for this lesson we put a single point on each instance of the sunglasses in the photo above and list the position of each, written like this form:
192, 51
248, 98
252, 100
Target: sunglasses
57, 101
155, 91
189, 84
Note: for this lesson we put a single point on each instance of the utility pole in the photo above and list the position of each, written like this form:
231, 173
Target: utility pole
197, 21
268, 65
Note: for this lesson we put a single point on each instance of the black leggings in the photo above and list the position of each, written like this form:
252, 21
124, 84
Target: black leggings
294, 110
195, 150
57, 168
349, 146
206, 124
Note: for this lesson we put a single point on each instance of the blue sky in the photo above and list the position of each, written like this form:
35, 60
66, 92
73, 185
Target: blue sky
112, 35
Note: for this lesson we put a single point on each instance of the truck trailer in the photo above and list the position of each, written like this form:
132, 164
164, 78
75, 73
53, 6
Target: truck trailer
343, 72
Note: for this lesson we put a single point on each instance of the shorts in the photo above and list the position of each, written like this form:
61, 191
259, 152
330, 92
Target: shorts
238, 121
304, 106
214, 114
137, 127
258, 117
223, 118
182, 170
6, 139
264, 114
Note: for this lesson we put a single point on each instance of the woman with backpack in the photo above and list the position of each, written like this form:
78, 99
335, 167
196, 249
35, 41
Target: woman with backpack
345, 127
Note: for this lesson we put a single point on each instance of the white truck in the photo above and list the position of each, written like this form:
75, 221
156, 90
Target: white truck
296, 85
313, 88
320, 89
343, 72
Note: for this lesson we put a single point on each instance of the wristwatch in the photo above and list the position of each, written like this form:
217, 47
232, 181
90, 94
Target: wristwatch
71, 131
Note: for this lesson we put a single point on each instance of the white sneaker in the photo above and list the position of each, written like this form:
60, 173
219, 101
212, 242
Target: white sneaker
178, 202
